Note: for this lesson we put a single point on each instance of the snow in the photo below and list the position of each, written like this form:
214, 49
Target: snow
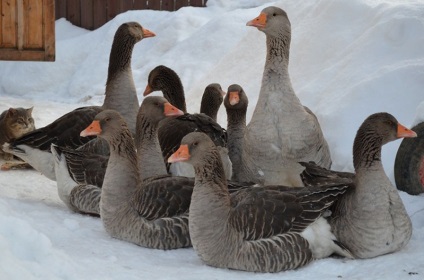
349, 59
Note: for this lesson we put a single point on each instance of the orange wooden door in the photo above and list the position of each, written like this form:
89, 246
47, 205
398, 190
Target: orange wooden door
27, 30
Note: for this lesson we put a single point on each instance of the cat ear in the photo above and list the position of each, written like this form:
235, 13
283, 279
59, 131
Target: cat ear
29, 110
11, 112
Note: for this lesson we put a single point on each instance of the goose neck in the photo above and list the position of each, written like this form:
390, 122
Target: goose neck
150, 159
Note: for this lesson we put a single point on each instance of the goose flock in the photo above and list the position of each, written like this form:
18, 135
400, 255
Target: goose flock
257, 196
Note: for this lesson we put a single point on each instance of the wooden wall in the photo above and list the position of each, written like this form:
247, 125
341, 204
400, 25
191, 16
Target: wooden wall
91, 14
27, 30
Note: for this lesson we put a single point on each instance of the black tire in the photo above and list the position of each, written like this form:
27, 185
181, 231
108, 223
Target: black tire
409, 163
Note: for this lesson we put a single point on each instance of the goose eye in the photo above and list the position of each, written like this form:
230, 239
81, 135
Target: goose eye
274, 14
107, 119
195, 143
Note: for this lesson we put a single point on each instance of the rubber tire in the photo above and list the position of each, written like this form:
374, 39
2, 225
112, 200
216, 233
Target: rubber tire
409, 158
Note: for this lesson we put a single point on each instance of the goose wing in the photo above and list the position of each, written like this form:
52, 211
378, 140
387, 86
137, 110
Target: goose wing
262, 212
163, 196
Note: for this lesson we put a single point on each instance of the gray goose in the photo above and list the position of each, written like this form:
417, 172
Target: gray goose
82, 194
244, 169
261, 229
171, 131
282, 131
120, 95
150, 212
370, 219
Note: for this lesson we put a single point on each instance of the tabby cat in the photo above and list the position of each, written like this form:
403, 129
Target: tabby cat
14, 123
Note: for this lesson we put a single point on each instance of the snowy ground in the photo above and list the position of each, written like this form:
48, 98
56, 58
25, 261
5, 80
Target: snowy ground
349, 59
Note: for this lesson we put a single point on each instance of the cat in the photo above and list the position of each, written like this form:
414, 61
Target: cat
14, 123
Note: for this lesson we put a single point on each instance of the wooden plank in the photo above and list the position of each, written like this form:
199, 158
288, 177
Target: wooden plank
100, 14
8, 23
140, 5
20, 24
126, 5
154, 5
33, 24
113, 8
73, 12
167, 5
180, 3
87, 14
1, 24
49, 30
197, 3
27, 55
60, 9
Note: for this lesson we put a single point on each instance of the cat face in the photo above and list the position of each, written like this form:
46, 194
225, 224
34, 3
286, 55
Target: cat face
19, 121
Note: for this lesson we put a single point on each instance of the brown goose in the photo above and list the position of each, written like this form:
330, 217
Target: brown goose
369, 219
282, 131
120, 95
263, 229
173, 130
244, 168
152, 212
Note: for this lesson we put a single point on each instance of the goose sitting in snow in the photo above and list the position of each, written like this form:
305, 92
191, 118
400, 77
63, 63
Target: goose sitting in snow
262, 229
171, 131
370, 219
150, 212
120, 95
282, 131
140, 202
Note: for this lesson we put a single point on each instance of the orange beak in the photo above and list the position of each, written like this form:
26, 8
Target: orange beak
234, 98
147, 33
182, 154
172, 111
148, 90
259, 21
403, 132
93, 129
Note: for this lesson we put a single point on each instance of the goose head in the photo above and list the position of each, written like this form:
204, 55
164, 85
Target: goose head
377, 130
135, 30
195, 148
157, 108
212, 99
107, 124
273, 21
236, 98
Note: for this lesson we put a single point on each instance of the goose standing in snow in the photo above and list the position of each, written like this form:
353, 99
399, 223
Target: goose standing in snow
171, 131
370, 219
282, 131
120, 95
261, 229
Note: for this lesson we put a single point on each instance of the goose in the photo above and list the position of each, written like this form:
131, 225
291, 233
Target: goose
244, 168
370, 219
120, 94
260, 229
282, 131
150, 212
171, 131
80, 174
